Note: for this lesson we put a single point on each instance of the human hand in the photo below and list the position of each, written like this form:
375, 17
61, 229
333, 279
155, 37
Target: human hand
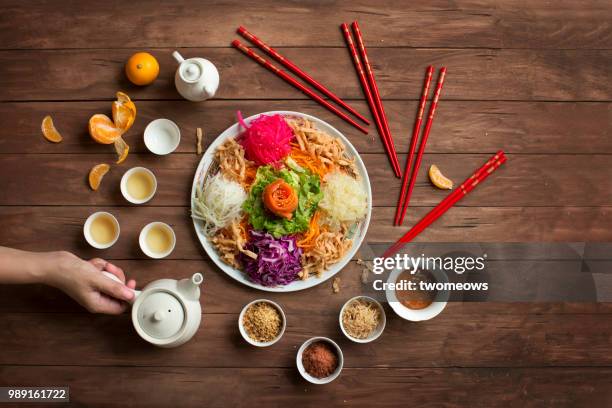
84, 282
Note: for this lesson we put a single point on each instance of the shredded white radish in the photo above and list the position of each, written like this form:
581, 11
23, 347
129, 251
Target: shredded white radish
218, 203
344, 199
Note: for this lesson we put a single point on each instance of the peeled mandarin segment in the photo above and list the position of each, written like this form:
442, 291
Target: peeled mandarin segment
123, 116
103, 130
122, 97
49, 131
96, 174
122, 150
438, 179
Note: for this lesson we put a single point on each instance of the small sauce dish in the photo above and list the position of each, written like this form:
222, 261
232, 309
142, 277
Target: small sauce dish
381, 323
305, 374
162, 136
416, 315
246, 336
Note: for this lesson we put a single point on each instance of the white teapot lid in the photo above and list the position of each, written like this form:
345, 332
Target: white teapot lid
160, 314
191, 70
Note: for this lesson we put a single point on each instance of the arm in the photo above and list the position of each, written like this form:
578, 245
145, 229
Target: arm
81, 280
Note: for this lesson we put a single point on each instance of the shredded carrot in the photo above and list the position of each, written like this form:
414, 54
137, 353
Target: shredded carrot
308, 161
308, 239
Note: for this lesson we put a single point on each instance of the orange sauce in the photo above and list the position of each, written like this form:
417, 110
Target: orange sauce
415, 299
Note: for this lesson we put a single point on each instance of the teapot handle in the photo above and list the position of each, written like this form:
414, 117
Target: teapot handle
178, 57
116, 279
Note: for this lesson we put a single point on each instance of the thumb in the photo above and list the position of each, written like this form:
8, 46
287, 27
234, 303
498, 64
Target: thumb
113, 288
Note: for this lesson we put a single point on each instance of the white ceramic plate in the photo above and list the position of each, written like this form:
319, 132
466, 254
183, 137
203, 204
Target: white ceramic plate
359, 232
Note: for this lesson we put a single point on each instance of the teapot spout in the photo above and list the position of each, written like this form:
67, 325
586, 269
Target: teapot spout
190, 288
208, 91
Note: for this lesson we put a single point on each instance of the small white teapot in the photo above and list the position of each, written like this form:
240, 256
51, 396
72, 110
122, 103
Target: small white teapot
167, 312
196, 79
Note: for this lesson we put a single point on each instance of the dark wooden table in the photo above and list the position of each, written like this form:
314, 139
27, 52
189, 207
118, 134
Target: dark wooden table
532, 78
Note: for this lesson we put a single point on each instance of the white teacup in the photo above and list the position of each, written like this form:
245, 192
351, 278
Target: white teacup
157, 240
101, 230
162, 136
138, 185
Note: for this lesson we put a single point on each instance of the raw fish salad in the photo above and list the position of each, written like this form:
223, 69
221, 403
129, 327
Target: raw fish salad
284, 201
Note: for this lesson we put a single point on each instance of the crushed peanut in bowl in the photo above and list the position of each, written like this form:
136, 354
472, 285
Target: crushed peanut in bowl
360, 318
262, 322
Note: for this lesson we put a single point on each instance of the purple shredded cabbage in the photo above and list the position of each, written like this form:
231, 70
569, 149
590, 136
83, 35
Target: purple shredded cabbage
278, 260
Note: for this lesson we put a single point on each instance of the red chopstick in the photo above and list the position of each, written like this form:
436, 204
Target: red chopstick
465, 188
293, 68
417, 163
413, 142
250, 53
368, 93
374, 87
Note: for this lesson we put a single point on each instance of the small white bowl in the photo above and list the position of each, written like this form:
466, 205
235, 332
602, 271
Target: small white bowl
142, 240
123, 185
381, 324
417, 315
87, 232
162, 136
245, 334
309, 377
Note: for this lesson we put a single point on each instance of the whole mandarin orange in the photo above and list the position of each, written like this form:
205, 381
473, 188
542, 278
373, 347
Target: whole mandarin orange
142, 68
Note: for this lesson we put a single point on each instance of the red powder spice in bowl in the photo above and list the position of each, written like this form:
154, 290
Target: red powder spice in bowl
319, 360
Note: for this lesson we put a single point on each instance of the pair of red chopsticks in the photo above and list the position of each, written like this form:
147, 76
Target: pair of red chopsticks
409, 178
468, 185
370, 89
304, 76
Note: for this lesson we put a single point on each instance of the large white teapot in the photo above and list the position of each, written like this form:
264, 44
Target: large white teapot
167, 312
196, 79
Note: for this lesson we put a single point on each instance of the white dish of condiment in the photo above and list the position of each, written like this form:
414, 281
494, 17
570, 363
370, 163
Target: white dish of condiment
416, 315
246, 336
382, 322
306, 375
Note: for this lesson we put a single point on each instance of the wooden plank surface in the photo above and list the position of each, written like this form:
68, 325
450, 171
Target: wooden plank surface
55, 228
527, 180
478, 340
222, 387
531, 78
224, 295
474, 74
462, 126
387, 23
